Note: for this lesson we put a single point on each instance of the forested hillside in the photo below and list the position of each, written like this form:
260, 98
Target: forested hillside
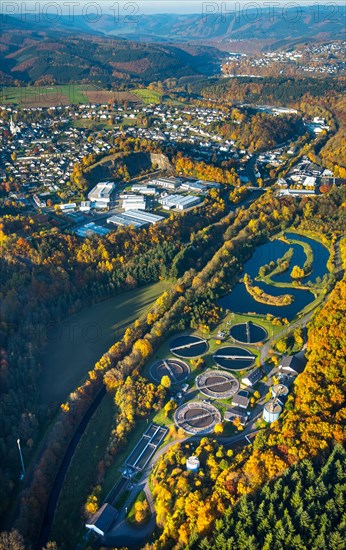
60, 57
304, 509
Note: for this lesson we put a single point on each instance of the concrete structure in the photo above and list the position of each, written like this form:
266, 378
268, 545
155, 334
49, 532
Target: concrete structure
193, 464
272, 411
102, 520
102, 194
252, 377
240, 401
180, 202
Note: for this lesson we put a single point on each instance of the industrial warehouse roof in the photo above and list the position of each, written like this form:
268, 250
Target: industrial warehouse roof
135, 217
240, 401
102, 191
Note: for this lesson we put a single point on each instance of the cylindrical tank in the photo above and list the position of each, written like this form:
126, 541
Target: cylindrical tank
271, 411
280, 390
192, 464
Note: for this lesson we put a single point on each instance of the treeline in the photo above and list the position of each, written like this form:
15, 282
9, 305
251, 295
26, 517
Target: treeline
199, 169
280, 90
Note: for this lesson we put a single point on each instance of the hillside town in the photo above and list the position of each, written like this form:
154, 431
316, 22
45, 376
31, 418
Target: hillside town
41, 149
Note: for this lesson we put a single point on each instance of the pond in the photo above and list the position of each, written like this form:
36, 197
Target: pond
240, 301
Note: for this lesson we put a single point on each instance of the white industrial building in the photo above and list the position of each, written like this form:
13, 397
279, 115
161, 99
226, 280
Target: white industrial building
193, 186
310, 181
135, 218
86, 206
134, 202
166, 183
68, 206
180, 202
292, 365
102, 194
144, 189
252, 377
240, 401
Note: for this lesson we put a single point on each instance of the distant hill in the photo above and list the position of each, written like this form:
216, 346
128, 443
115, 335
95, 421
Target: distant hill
31, 54
289, 22
149, 47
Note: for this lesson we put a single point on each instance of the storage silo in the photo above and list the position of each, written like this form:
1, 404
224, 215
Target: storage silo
280, 391
272, 411
192, 464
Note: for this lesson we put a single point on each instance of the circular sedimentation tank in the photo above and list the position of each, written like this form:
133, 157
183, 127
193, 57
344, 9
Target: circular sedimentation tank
234, 358
280, 390
217, 384
248, 333
188, 346
197, 417
177, 370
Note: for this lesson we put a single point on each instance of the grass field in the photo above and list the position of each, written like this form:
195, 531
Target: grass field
78, 342
43, 96
66, 94
148, 96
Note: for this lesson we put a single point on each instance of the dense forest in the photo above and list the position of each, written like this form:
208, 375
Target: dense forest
303, 509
